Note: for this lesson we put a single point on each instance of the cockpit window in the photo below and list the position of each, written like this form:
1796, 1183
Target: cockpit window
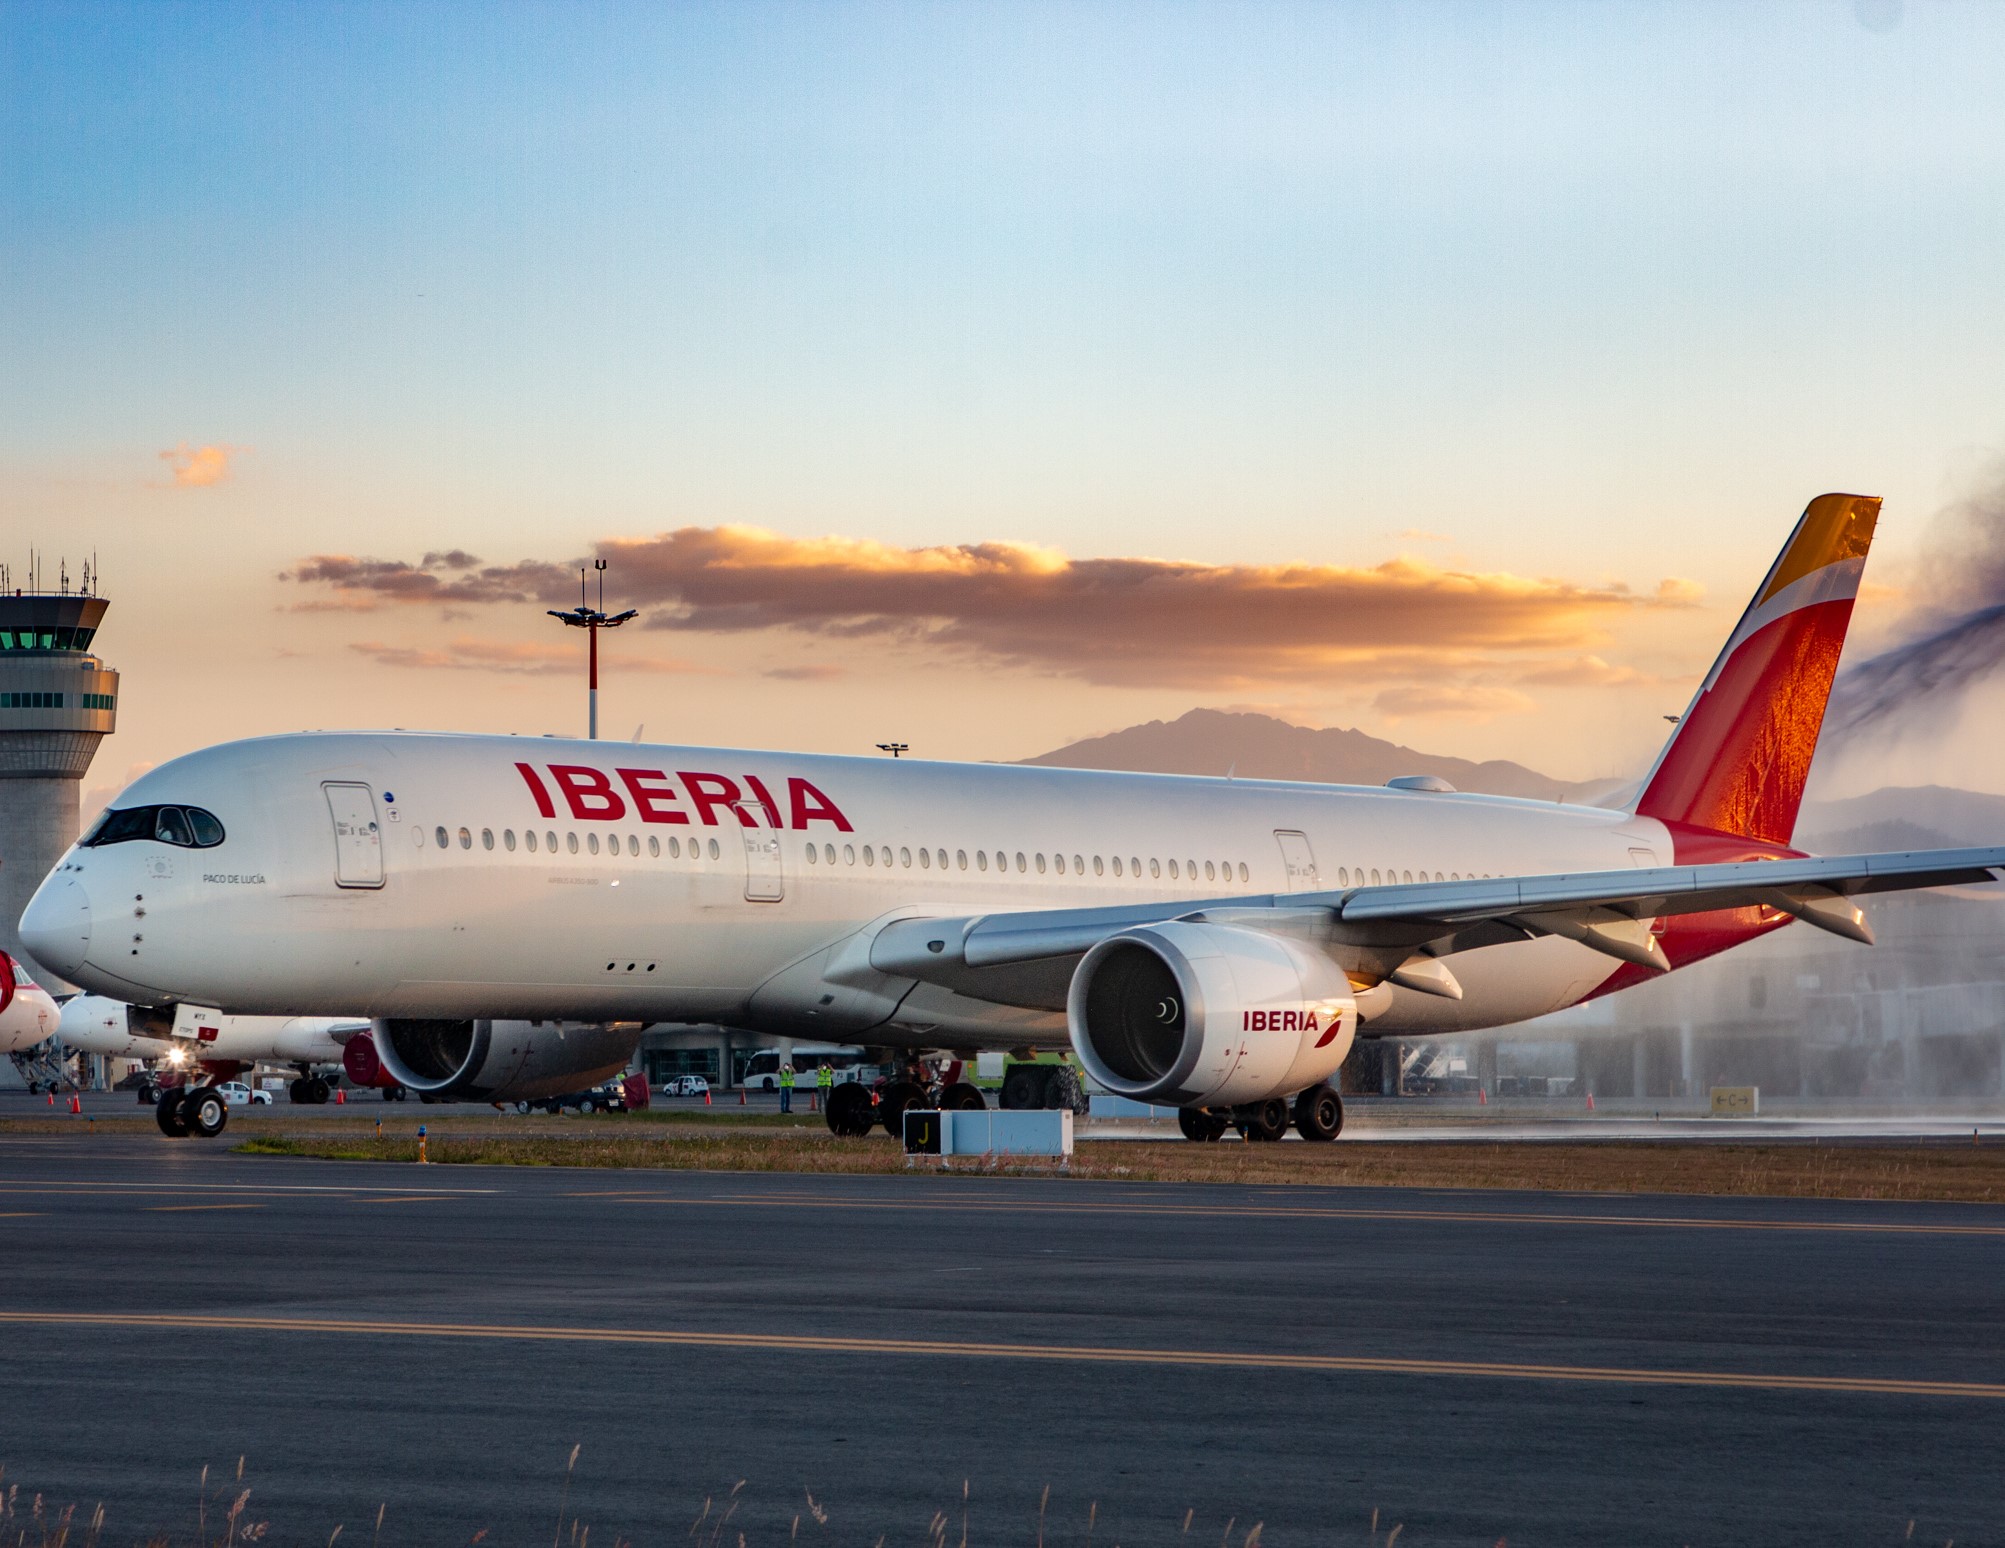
187, 827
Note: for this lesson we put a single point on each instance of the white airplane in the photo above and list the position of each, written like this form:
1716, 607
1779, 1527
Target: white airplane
1214, 944
28, 1013
202, 1046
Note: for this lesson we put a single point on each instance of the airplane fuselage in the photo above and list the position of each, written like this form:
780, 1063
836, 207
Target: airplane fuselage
418, 875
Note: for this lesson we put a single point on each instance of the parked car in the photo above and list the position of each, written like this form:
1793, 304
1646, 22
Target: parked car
687, 1085
237, 1094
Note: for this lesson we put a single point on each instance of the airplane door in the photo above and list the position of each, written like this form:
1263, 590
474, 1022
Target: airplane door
1300, 860
358, 842
764, 880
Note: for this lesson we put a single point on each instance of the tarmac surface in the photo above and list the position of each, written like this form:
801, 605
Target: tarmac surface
1538, 1368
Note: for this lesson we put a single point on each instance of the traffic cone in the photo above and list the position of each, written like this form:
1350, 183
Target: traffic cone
741, 1096
814, 1106
1590, 1101
52, 1096
76, 1104
706, 1096
340, 1096
1482, 1097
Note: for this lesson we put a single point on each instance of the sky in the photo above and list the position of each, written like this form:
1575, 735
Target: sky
988, 376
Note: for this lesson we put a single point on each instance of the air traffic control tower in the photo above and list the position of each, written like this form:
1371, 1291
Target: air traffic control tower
57, 702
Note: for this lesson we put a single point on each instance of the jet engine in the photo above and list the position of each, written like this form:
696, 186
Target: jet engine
502, 1061
1201, 1015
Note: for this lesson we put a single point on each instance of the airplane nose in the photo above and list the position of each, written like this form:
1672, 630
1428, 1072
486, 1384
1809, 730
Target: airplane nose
56, 925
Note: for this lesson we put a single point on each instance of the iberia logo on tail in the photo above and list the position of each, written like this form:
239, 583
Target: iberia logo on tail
1741, 755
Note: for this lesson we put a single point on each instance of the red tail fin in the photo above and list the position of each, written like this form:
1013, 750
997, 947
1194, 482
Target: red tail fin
1738, 761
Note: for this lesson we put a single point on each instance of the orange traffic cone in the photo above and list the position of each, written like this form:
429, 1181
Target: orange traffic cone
340, 1096
1590, 1101
76, 1104
52, 1096
1482, 1097
706, 1096
814, 1106
741, 1096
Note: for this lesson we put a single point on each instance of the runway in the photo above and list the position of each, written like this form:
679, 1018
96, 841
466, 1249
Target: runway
1539, 1368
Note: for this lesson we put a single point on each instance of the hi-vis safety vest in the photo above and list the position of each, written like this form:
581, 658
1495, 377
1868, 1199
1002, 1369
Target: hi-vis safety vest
787, 1076
824, 1077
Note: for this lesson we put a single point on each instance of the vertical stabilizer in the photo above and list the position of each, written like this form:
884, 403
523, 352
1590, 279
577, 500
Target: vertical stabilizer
1739, 758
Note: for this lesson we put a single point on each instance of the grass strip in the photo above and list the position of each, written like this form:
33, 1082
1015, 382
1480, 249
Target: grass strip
1946, 1173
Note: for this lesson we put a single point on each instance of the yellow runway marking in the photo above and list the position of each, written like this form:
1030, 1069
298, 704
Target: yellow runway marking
1074, 1354
21, 1214
1310, 1212
182, 1209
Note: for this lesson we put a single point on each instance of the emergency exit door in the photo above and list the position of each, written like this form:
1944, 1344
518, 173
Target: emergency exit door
1300, 860
358, 842
764, 880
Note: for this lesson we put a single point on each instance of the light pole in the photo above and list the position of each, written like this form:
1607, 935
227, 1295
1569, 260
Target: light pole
894, 748
592, 620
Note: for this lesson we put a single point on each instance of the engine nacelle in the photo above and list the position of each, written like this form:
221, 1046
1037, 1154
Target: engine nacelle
502, 1061
1200, 1015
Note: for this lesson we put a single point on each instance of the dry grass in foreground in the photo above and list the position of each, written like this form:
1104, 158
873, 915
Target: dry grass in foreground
1959, 1173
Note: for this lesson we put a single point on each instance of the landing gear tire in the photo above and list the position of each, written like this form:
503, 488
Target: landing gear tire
396, 1094
1202, 1126
205, 1112
1063, 1092
525, 1108
1023, 1086
297, 1091
961, 1097
167, 1113
849, 1112
315, 1091
898, 1096
1263, 1121
1319, 1114
149, 1096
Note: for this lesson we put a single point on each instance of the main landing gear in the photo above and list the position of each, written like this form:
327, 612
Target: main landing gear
1318, 1115
853, 1110
310, 1090
194, 1110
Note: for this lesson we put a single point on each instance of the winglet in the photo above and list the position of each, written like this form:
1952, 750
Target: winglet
1740, 756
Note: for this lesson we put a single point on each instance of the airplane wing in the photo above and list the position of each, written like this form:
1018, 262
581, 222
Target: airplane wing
1027, 958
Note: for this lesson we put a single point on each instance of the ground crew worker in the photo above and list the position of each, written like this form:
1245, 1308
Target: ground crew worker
824, 1083
787, 1087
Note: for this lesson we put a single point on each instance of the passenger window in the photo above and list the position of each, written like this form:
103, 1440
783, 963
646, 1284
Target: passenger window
961, 859
529, 839
653, 847
981, 859
1134, 866
849, 854
487, 838
828, 853
465, 839
1374, 876
571, 842
675, 847
1175, 874
715, 852
1040, 865
550, 842
1099, 867
869, 855
444, 842
925, 859
1343, 876
904, 858
1020, 866
813, 854
633, 846
1407, 877
508, 840
943, 860
1156, 868
592, 842
1208, 872
1244, 874
1058, 863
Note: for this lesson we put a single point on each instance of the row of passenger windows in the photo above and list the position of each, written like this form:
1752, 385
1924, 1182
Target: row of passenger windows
934, 859
591, 846
929, 859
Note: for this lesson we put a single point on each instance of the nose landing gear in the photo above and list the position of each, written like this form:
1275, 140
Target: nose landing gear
199, 1110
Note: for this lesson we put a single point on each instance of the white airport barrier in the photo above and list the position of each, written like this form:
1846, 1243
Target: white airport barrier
988, 1132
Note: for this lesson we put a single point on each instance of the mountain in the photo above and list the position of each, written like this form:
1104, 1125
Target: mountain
1261, 747
1903, 817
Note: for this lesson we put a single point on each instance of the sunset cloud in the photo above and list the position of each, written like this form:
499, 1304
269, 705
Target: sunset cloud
198, 467
1439, 701
520, 658
1125, 621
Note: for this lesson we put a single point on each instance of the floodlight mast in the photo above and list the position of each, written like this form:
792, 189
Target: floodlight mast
592, 620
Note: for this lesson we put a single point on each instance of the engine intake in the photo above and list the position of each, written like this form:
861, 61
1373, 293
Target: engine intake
1200, 1015
502, 1061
